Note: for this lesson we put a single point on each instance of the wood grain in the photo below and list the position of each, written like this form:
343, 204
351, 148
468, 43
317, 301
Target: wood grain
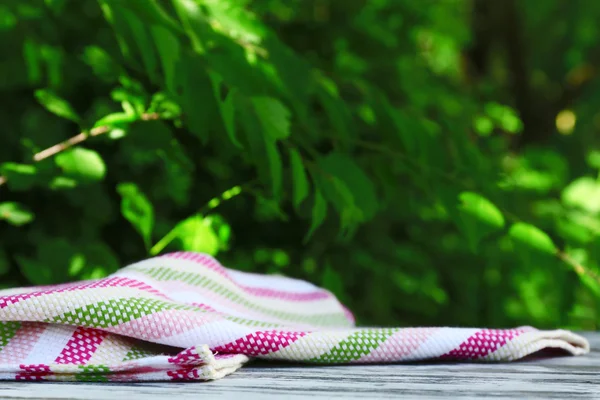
549, 378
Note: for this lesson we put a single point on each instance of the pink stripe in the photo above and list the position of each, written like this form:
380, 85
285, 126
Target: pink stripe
6, 301
214, 265
19, 347
33, 372
482, 343
189, 356
81, 347
399, 346
261, 343
163, 324
222, 300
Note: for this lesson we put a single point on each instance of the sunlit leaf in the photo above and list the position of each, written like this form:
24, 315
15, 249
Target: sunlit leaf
81, 164
137, 209
19, 176
532, 237
584, 193
196, 234
483, 126
116, 120
479, 218
56, 105
15, 214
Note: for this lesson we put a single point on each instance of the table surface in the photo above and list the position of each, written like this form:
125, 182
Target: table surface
556, 377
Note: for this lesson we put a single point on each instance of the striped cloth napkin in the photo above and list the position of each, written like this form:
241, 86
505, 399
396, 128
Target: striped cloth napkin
183, 316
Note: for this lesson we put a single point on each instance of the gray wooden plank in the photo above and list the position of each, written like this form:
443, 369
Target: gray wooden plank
557, 377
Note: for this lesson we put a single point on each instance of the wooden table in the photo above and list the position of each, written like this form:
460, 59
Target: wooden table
559, 377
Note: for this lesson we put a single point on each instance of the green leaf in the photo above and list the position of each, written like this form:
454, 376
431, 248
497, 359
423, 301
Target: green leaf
360, 185
32, 56
35, 271
194, 22
137, 209
275, 166
99, 261
483, 126
336, 110
116, 120
82, 164
195, 94
168, 49
19, 176
15, 214
319, 213
151, 12
274, 117
584, 193
51, 263
101, 63
227, 108
532, 238
144, 42
593, 159
333, 281
56, 105
194, 234
479, 218
300, 181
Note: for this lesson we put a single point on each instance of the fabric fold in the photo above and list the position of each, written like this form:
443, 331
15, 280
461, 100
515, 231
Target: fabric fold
183, 316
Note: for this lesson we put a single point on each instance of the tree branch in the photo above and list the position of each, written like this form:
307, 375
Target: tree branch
75, 140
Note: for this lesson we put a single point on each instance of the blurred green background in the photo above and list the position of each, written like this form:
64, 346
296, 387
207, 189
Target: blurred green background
429, 162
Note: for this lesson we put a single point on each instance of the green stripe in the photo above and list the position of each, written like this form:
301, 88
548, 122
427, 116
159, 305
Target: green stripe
7, 331
93, 373
167, 274
355, 346
253, 323
136, 352
115, 312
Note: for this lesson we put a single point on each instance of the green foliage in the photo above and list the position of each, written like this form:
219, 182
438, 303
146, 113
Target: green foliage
478, 218
137, 209
15, 214
56, 105
81, 164
424, 160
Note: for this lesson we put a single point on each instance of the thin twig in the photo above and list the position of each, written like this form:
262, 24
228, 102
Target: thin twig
75, 140
577, 267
